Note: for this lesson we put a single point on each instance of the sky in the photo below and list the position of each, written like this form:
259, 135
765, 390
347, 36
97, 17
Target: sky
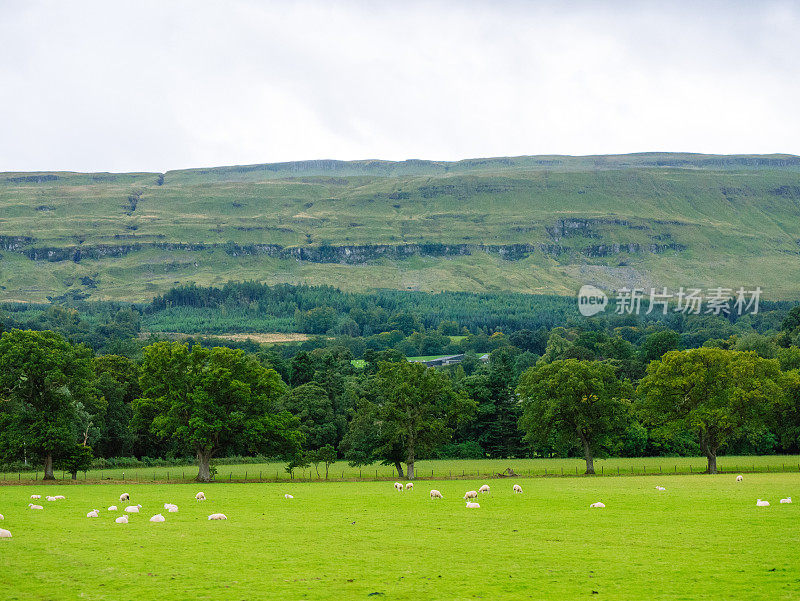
154, 86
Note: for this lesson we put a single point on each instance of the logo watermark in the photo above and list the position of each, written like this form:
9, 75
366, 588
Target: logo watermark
689, 301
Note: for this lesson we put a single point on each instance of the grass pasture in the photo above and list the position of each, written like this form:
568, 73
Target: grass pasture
703, 538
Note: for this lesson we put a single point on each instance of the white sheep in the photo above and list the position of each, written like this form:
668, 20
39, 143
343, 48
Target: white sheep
200, 496
49, 498
786, 500
398, 487
32, 506
124, 497
517, 488
94, 513
471, 505
133, 508
410, 486
217, 516
471, 494
123, 519
158, 518
739, 478
660, 488
484, 488
760, 503
1, 517
171, 507
435, 494
598, 505
59, 497
36, 496
288, 496
112, 508
4, 533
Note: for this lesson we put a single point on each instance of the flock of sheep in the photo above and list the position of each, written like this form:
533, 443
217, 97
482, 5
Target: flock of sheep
469, 497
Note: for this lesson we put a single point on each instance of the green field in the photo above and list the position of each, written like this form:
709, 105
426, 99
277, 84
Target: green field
433, 469
703, 538
647, 220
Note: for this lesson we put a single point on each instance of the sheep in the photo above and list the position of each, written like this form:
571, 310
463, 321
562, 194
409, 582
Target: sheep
217, 516
59, 497
158, 518
660, 488
471, 505
410, 486
517, 488
200, 496
435, 494
739, 478
94, 513
398, 487
760, 503
171, 507
112, 508
4, 533
598, 505
786, 500
288, 496
133, 508
484, 488
1, 517
124, 497
36, 496
471, 494
123, 519
32, 506
49, 498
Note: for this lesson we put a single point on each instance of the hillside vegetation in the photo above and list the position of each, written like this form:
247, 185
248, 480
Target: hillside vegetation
543, 224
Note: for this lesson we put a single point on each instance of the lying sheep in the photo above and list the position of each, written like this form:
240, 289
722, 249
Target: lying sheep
598, 505
471, 494
36, 496
786, 500
94, 513
288, 496
171, 508
1, 517
32, 506
158, 518
4, 533
517, 488
471, 505
435, 494
217, 516
112, 508
59, 497
133, 508
123, 519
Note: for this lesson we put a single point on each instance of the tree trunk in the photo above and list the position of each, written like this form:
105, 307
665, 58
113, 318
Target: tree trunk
399, 467
48, 467
204, 465
74, 475
712, 462
708, 446
410, 470
587, 454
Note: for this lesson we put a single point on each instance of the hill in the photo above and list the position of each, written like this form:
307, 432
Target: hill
542, 224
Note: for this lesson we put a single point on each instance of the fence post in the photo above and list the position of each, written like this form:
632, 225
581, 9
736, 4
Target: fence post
617, 470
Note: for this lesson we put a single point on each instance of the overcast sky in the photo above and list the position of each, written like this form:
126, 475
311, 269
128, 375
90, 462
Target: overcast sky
116, 86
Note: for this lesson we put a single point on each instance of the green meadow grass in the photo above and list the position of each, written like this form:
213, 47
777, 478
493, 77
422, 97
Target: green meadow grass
432, 469
703, 538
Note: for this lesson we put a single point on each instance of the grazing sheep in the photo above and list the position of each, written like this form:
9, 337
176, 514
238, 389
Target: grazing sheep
398, 487
471, 494
288, 496
484, 488
760, 503
32, 506
786, 500
94, 513
471, 505
112, 508
200, 496
517, 488
739, 478
598, 505
660, 488
410, 486
158, 518
435, 494
124, 497
123, 519
36, 496
4, 533
217, 516
133, 509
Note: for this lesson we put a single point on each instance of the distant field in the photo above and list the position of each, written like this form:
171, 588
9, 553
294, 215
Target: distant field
701, 539
438, 469
259, 337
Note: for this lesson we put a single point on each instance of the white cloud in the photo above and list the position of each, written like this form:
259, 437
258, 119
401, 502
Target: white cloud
163, 85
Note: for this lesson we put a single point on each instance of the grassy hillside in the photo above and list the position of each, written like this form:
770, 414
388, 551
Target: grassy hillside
528, 224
